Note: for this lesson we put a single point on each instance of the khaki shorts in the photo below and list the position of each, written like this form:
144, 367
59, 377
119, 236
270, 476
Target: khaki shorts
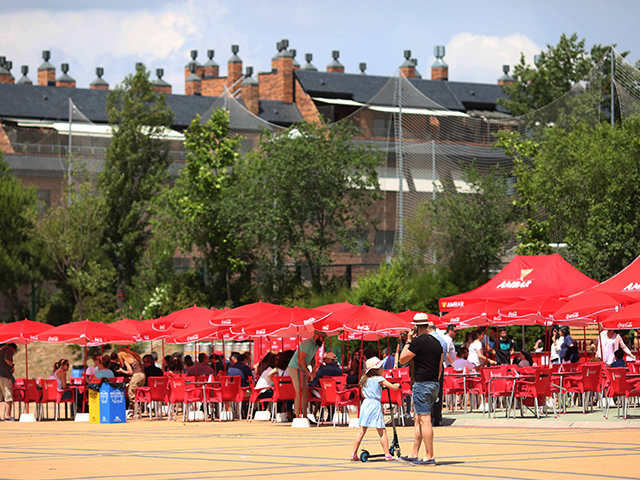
6, 390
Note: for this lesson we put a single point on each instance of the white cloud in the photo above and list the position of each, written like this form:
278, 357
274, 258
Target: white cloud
479, 58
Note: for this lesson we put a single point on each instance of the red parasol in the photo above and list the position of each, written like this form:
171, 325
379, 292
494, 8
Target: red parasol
364, 319
22, 332
231, 317
478, 314
625, 319
534, 311
284, 322
409, 314
588, 308
138, 330
85, 333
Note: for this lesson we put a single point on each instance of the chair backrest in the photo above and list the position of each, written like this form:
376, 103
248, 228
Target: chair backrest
177, 392
283, 389
31, 390
570, 367
617, 381
591, 373
393, 396
158, 388
49, 390
555, 367
341, 380
328, 392
230, 387
542, 383
634, 367
76, 381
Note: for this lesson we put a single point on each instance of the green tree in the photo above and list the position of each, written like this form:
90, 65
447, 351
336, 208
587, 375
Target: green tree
386, 289
196, 207
311, 187
136, 166
556, 72
464, 232
18, 218
71, 234
586, 183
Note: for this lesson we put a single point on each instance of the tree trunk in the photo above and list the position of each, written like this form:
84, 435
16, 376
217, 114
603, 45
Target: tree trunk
16, 308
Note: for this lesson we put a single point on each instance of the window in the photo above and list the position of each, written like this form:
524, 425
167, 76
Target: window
44, 200
383, 241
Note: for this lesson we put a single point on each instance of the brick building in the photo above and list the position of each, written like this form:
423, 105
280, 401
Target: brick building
34, 130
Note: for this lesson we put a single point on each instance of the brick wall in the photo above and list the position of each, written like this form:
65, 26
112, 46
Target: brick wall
100, 87
213, 87
193, 88
234, 73
250, 95
6, 79
166, 89
408, 72
440, 73
66, 84
269, 88
5, 145
46, 77
305, 104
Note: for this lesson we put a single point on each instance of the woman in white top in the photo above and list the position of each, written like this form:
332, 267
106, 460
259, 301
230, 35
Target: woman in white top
60, 369
608, 342
554, 357
476, 353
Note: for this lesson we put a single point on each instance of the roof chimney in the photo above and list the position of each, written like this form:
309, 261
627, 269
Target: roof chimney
5, 71
250, 92
308, 66
362, 66
408, 68
46, 71
415, 63
296, 65
193, 83
139, 66
335, 66
439, 69
24, 80
99, 83
506, 79
65, 80
199, 68
160, 85
234, 67
211, 68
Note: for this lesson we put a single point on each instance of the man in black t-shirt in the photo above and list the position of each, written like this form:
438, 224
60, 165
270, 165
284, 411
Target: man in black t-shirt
150, 369
426, 353
504, 348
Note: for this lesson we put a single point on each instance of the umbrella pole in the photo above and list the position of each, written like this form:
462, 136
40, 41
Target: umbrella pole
299, 392
84, 375
584, 340
163, 348
379, 347
361, 356
523, 337
26, 363
389, 347
224, 357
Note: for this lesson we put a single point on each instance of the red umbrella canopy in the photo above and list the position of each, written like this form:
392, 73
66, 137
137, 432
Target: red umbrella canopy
409, 314
626, 318
231, 317
334, 307
85, 333
363, 319
588, 308
138, 330
199, 333
22, 332
190, 316
529, 312
475, 315
285, 322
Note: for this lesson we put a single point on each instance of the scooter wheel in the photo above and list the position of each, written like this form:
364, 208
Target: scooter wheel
364, 456
392, 450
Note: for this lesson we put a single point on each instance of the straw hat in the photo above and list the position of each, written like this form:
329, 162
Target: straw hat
373, 363
421, 319
331, 356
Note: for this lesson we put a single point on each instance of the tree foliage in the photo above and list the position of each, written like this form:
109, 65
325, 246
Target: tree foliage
196, 206
136, 166
309, 187
557, 70
18, 217
466, 232
586, 182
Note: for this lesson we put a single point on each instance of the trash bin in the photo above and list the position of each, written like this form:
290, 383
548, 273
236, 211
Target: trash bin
94, 406
112, 402
77, 371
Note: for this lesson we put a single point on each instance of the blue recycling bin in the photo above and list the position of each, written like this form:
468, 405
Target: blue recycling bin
112, 404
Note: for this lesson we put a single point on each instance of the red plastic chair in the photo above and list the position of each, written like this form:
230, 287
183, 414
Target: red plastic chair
28, 393
619, 386
588, 382
230, 393
253, 399
634, 367
179, 393
345, 398
156, 392
500, 388
51, 394
538, 390
283, 391
451, 387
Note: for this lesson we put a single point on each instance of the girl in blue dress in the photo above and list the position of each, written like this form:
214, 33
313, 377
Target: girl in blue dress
371, 414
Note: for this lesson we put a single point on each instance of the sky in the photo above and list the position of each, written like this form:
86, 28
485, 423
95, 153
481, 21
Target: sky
479, 36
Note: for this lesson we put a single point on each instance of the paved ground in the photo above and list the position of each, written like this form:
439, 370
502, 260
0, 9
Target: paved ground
161, 450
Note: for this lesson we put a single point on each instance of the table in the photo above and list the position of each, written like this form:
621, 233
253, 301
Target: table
563, 404
214, 384
514, 379
464, 377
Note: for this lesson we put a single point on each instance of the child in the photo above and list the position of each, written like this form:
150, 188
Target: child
371, 414
619, 362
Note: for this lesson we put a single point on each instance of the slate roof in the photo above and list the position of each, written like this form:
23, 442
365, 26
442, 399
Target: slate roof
51, 103
459, 96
